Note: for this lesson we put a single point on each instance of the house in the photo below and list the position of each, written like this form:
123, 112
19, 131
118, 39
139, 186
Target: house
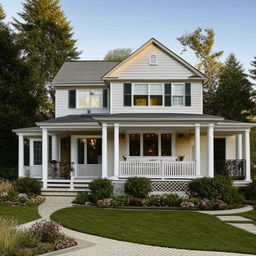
140, 117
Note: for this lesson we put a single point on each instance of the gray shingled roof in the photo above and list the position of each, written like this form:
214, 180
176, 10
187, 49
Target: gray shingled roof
70, 119
83, 71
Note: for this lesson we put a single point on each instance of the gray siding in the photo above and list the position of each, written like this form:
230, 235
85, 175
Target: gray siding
118, 107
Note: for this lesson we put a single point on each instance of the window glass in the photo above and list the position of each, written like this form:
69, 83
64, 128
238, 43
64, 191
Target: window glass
96, 98
134, 141
80, 151
153, 60
93, 151
141, 89
83, 99
37, 152
166, 144
178, 94
156, 98
89, 98
150, 144
140, 97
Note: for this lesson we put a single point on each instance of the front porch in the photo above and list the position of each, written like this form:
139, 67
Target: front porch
170, 152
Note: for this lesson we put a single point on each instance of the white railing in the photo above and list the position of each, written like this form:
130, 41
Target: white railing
33, 171
87, 170
157, 169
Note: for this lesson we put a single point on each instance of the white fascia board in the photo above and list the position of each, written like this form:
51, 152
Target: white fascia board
99, 83
237, 125
29, 134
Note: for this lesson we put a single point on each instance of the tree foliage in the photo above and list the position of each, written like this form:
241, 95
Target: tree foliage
2, 13
118, 54
233, 98
201, 42
46, 38
253, 70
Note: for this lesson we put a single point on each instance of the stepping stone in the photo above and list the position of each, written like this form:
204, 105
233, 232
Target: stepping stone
233, 218
247, 227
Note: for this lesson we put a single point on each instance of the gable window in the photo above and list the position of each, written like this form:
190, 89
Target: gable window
152, 60
156, 97
140, 95
178, 94
90, 98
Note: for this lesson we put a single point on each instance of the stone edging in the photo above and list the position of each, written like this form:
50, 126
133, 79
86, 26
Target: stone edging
245, 208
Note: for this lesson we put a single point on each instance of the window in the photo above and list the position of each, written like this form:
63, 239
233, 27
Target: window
168, 94
156, 97
134, 141
150, 144
166, 144
152, 60
140, 95
49, 148
178, 92
127, 94
89, 98
80, 151
93, 151
37, 152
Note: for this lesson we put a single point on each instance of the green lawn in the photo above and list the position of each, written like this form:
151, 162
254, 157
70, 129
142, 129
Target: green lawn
177, 229
22, 214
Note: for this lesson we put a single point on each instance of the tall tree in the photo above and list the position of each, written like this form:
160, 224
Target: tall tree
18, 97
118, 54
234, 95
47, 39
201, 42
253, 70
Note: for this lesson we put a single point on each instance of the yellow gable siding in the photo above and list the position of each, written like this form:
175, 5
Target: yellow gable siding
138, 67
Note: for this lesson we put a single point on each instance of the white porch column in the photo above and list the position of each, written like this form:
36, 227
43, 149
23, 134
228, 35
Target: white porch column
55, 150
21, 155
239, 146
45, 156
247, 155
104, 151
210, 137
197, 148
174, 153
116, 150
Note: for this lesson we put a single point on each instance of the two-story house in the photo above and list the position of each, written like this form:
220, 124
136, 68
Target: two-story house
140, 117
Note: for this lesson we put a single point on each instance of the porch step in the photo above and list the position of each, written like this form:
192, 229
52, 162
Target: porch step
60, 192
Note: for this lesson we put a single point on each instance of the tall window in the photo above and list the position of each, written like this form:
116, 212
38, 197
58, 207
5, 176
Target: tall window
178, 92
89, 98
150, 144
166, 144
80, 151
140, 95
134, 141
156, 97
37, 152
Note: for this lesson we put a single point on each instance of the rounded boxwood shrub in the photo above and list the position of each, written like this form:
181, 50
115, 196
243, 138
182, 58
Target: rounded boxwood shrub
137, 186
101, 188
249, 191
81, 198
28, 186
219, 187
172, 200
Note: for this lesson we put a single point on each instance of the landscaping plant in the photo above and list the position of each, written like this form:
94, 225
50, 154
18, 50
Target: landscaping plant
249, 191
138, 186
28, 185
101, 188
81, 198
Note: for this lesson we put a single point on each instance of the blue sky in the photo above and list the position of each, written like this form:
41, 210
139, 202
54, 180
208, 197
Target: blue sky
101, 25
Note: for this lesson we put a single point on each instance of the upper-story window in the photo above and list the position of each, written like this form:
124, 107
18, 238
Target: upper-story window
152, 60
88, 98
157, 94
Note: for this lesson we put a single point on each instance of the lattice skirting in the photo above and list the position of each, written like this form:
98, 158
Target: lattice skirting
169, 186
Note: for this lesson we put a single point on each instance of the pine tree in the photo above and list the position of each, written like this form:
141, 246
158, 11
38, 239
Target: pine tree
253, 70
233, 98
47, 39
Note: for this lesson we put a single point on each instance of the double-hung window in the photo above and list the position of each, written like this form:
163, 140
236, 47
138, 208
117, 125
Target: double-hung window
156, 95
140, 95
89, 98
178, 94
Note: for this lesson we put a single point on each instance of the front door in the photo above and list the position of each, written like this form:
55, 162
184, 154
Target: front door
219, 155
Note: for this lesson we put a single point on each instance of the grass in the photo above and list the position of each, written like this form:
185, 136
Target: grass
176, 229
21, 214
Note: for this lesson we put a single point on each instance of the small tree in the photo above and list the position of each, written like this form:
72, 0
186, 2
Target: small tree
118, 54
253, 70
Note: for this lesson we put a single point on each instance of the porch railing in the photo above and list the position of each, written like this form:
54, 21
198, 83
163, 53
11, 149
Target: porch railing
157, 169
234, 168
33, 171
87, 170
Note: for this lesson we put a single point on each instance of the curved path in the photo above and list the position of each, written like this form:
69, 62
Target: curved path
90, 245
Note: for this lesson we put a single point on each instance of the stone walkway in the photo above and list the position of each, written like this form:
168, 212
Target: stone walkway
90, 245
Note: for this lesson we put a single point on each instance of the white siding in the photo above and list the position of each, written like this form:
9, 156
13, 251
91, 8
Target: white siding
117, 105
62, 109
231, 147
138, 67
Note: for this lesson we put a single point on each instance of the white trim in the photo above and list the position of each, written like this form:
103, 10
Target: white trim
247, 155
45, 156
32, 152
21, 155
197, 149
210, 138
239, 146
104, 151
150, 60
183, 96
116, 149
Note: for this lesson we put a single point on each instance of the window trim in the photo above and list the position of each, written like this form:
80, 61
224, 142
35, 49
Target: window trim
184, 95
150, 60
32, 152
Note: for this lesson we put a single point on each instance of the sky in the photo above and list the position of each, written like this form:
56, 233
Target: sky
102, 25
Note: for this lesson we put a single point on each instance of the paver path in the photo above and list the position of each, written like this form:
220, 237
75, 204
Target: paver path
248, 227
233, 218
99, 246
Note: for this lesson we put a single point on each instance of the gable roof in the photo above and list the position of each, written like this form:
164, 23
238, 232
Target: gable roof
197, 74
80, 72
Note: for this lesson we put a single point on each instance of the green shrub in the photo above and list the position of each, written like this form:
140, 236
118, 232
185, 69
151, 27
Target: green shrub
119, 201
172, 200
249, 191
219, 187
137, 186
155, 200
28, 186
81, 198
9, 173
101, 188
26, 239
